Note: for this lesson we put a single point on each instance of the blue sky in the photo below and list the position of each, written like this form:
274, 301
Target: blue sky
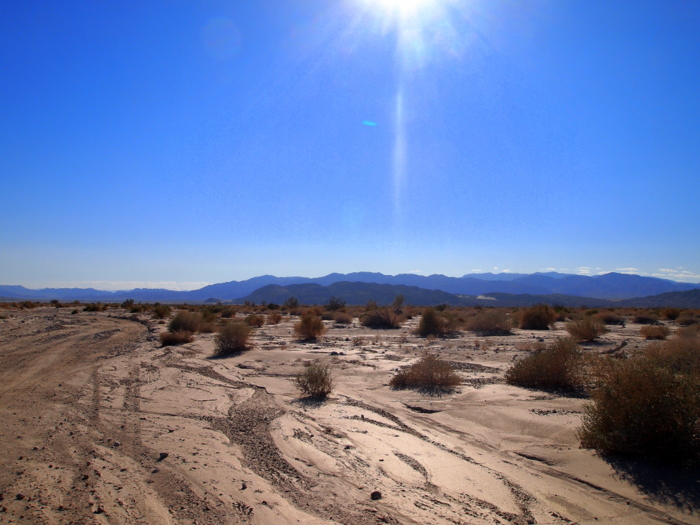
182, 142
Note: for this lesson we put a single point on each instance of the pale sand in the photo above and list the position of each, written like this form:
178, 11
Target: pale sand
96, 400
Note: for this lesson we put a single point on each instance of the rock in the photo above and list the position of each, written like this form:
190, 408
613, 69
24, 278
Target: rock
244, 486
162, 456
376, 495
155, 471
334, 352
19, 497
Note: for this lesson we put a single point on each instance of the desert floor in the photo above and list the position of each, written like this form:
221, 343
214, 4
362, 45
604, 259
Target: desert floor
102, 425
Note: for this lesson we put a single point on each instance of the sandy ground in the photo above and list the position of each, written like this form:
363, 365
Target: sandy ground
102, 425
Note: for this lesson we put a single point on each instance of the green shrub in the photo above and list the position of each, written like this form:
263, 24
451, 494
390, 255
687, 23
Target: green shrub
232, 338
490, 322
557, 366
430, 374
315, 381
586, 329
309, 327
179, 337
654, 331
437, 324
382, 317
538, 317
640, 409
185, 322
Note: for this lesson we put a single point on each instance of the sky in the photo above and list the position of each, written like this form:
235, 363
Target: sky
177, 143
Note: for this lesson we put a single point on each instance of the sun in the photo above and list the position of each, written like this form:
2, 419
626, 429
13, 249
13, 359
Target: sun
401, 7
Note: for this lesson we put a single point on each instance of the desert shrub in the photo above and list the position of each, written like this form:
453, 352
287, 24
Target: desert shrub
397, 303
291, 303
254, 320
309, 327
436, 324
161, 311
334, 303
342, 318
315, 381
232, 338
92, 308
586, 329
185, 322
382, 317
127, 304
430, 373
680, 354
643, 410
178, 337
490, 322
670, 313
274, 318
556, 366
327, 316
686, 319
538, 317
654, 331
645, 318
228, 312
609, 318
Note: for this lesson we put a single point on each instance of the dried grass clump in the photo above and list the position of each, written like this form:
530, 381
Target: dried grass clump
490, 322
538, 317
430, 374
315, 381
179, 337
641, 409
274, 318
342, 318
436, 324
557, 366
654, 331
686, 318
680, 354
309, 327
228, 312
586, 329
670, 313
232, 338
609, 318
382, 317
254, 320
185, 321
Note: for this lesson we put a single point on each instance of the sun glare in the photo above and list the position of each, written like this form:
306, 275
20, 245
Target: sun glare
402, 7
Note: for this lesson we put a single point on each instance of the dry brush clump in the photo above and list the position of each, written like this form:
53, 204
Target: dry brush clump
382, 317
315, 381
161, 311
254, 320
436, 323
648, 406
309, 327
185, 321
654, 331
490, 322
342, 318
558, 366
587, 329
430, 374
538, 317
274, 318
176, 338
232, 338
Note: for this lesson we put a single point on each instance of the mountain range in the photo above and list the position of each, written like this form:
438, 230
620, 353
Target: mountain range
567, 288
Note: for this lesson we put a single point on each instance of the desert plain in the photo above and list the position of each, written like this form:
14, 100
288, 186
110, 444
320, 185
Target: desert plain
101, 424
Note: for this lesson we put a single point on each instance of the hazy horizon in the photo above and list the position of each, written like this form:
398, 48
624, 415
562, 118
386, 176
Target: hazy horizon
192, 143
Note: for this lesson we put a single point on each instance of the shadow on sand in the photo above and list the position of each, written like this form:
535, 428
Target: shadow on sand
666, 485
